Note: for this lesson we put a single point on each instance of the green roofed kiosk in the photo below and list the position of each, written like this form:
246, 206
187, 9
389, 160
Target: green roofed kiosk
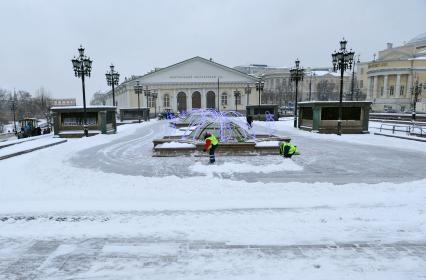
322, 116
68, 122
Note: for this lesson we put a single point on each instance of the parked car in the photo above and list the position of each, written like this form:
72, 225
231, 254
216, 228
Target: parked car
390, 111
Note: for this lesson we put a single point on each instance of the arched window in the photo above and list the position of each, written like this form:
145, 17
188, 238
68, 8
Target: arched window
151, 102
166, 101
224, 98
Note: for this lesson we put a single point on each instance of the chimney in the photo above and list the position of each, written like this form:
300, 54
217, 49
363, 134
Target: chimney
390, 45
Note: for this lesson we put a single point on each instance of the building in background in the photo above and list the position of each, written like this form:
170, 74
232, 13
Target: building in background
190, 84
390, 79
256, 69
58, 102
319, 84
99, 98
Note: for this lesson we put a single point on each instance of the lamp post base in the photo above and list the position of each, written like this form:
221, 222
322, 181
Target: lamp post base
339, 127
86, 131
295, 122
413, 116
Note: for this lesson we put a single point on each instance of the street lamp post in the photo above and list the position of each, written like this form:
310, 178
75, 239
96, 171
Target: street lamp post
138, 90
417, 93
147, 93
296, 75
259, 87
342, 60
13, 109
237, 94
154, 97
310, 84
247, 91
82, 67
112, 78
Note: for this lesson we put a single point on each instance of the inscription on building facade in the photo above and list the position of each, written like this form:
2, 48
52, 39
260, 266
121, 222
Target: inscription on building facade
195, 77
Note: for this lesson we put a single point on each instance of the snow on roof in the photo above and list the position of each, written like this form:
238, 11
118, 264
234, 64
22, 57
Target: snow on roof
81, 107
323, 73
418, 39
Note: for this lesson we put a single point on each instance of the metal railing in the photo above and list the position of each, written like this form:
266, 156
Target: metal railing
409, 129
395, 127
419, 128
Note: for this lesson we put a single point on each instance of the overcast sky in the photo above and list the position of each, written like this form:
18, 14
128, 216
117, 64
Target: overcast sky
39, 37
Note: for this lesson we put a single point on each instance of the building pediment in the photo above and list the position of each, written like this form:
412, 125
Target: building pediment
196, 70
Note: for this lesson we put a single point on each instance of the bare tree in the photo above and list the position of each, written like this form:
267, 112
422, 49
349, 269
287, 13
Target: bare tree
326, 90
25, 104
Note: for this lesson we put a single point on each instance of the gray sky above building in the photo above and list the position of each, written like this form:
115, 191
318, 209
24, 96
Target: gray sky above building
39, 38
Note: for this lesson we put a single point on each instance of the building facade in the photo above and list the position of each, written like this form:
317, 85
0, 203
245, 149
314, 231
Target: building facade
190, 84
99, 98
319, 84
391, 79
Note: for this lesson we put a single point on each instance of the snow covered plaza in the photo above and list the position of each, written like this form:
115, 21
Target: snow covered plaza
348, 207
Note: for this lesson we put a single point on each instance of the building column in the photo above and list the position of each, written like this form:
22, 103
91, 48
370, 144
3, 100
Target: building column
203, 98
189, 100
173, 101
385, 86
398, 85
375, 93
409, 85
369, 86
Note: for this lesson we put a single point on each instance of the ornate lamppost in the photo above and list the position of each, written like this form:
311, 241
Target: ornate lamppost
138, 90
112, 78
13, 109
296, 75
147, 93
237, 94
247, 91
342, 60
259, 87
82, 67
154, 96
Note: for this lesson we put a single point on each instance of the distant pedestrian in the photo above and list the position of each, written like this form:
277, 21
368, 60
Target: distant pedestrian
211, 144
249, 121
287, 149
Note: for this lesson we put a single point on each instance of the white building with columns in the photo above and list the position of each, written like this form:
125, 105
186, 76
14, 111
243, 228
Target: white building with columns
390, 79
193, 83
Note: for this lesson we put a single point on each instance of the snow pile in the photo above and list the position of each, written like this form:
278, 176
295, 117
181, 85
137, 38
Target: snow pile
268, 144
177, 145
233, 167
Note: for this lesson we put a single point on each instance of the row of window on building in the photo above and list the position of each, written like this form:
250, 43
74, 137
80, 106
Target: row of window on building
166, 100
392, 91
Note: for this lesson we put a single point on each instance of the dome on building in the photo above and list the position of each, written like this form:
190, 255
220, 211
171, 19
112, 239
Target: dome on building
421, 38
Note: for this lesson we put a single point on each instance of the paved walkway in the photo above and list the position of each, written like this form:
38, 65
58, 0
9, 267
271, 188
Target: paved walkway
344, 240
322, 160
139, 258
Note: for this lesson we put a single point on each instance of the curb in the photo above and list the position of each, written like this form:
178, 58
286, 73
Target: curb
400, 137
17, 143
31, 150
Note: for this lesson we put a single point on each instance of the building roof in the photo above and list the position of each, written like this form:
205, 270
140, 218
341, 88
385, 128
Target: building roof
419, 39
199, 58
